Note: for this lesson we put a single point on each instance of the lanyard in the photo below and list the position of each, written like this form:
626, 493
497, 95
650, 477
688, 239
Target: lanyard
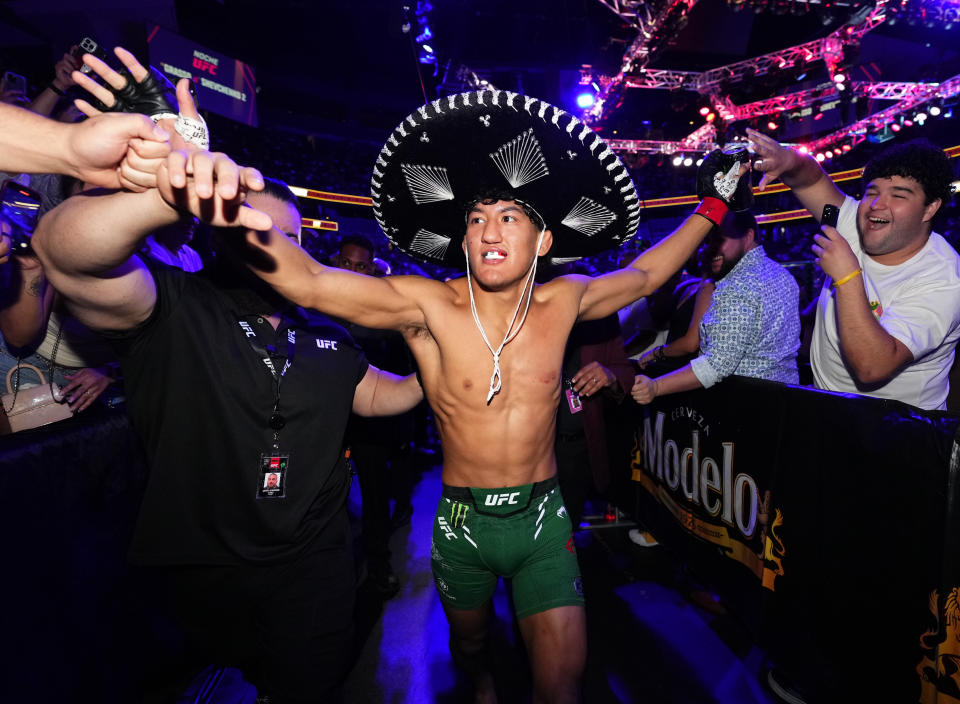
267, 354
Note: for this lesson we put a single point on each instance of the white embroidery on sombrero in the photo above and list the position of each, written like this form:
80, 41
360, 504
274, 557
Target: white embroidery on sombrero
427, 184
393, 140
543, 111
556, 116
527, 102
485, 119
571, 154
423, 112
604, 154
424, 137
511, 96
411, 120
430, 244
495, 100
466, 100
607, 189
589, 217
480, 97
451, 100
436, 106
572, 124
377, 171
402, 130
520, 160
584, 132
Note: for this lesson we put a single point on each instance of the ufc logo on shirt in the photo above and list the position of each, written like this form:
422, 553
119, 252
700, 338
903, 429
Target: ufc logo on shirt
327, 344
499, 500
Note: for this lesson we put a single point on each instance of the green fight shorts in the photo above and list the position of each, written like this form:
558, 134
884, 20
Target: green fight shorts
521, 533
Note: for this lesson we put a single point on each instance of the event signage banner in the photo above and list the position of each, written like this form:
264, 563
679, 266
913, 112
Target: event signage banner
829, 524
223, 85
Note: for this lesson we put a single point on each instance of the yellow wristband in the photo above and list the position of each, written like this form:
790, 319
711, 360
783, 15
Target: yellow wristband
845, 279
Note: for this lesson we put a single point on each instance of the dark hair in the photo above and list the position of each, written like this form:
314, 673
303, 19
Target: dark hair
279, 190
918, 159
359, 241
739, 223
489, 196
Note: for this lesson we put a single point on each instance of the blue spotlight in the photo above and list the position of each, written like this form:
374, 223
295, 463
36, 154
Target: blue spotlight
427, 48
586, 100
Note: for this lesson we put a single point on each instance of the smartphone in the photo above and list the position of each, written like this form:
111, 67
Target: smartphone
829, 215
15, 82
20, 210
88, 45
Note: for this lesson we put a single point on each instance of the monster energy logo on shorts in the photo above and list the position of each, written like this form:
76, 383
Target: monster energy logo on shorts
458, 513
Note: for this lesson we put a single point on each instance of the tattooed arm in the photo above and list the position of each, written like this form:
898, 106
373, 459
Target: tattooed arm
26, 302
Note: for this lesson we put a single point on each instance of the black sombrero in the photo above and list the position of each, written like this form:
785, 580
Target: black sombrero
449, 151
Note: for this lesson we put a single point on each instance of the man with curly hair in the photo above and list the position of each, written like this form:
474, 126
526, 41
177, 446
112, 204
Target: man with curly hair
888, 318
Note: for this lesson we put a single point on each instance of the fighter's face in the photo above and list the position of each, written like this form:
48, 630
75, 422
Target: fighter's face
501, 241
892, 217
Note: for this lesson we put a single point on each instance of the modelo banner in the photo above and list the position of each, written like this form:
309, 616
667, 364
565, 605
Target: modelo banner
829, 524
225, 86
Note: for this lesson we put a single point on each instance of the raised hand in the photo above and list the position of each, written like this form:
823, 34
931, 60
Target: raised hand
211, 186
721, 175
774, 159
116, 151
834, 254
136, 89
63, 70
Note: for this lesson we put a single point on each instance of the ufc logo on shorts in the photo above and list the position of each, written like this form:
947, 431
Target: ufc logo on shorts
499, 500
327, 344
445, 527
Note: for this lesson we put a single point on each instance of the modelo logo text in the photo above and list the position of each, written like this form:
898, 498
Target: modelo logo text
702, 482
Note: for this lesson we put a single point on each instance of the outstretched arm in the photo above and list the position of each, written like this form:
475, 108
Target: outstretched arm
801, 173
389, 303
381, 393
95, 150
721, 184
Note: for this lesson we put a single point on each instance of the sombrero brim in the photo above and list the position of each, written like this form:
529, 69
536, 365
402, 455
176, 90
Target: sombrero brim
442, 156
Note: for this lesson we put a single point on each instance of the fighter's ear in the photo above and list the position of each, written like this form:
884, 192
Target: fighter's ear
546, 244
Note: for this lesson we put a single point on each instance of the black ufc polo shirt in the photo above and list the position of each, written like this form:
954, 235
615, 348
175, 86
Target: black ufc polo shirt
201, 398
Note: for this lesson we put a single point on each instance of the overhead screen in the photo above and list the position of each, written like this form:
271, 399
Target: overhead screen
225, 86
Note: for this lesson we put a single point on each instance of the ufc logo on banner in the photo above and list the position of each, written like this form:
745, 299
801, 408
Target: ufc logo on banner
495, 500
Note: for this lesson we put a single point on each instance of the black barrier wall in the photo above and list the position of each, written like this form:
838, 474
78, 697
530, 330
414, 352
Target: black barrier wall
827, 523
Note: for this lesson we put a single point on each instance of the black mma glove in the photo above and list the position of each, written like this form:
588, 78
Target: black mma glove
719, 184
153, 96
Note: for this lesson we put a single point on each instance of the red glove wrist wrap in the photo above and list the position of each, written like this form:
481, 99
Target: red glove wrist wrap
713, 209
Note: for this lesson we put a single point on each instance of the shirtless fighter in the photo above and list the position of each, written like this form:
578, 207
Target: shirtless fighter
483, 175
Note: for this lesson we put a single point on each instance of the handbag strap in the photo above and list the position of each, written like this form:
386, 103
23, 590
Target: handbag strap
43, 380
24, 365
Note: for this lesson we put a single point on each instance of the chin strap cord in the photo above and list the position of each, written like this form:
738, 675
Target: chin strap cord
526, 295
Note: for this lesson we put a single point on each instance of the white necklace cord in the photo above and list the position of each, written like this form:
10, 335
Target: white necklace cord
495, 378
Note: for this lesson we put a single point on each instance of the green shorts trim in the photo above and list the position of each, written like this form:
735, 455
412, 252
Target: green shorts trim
520, 533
